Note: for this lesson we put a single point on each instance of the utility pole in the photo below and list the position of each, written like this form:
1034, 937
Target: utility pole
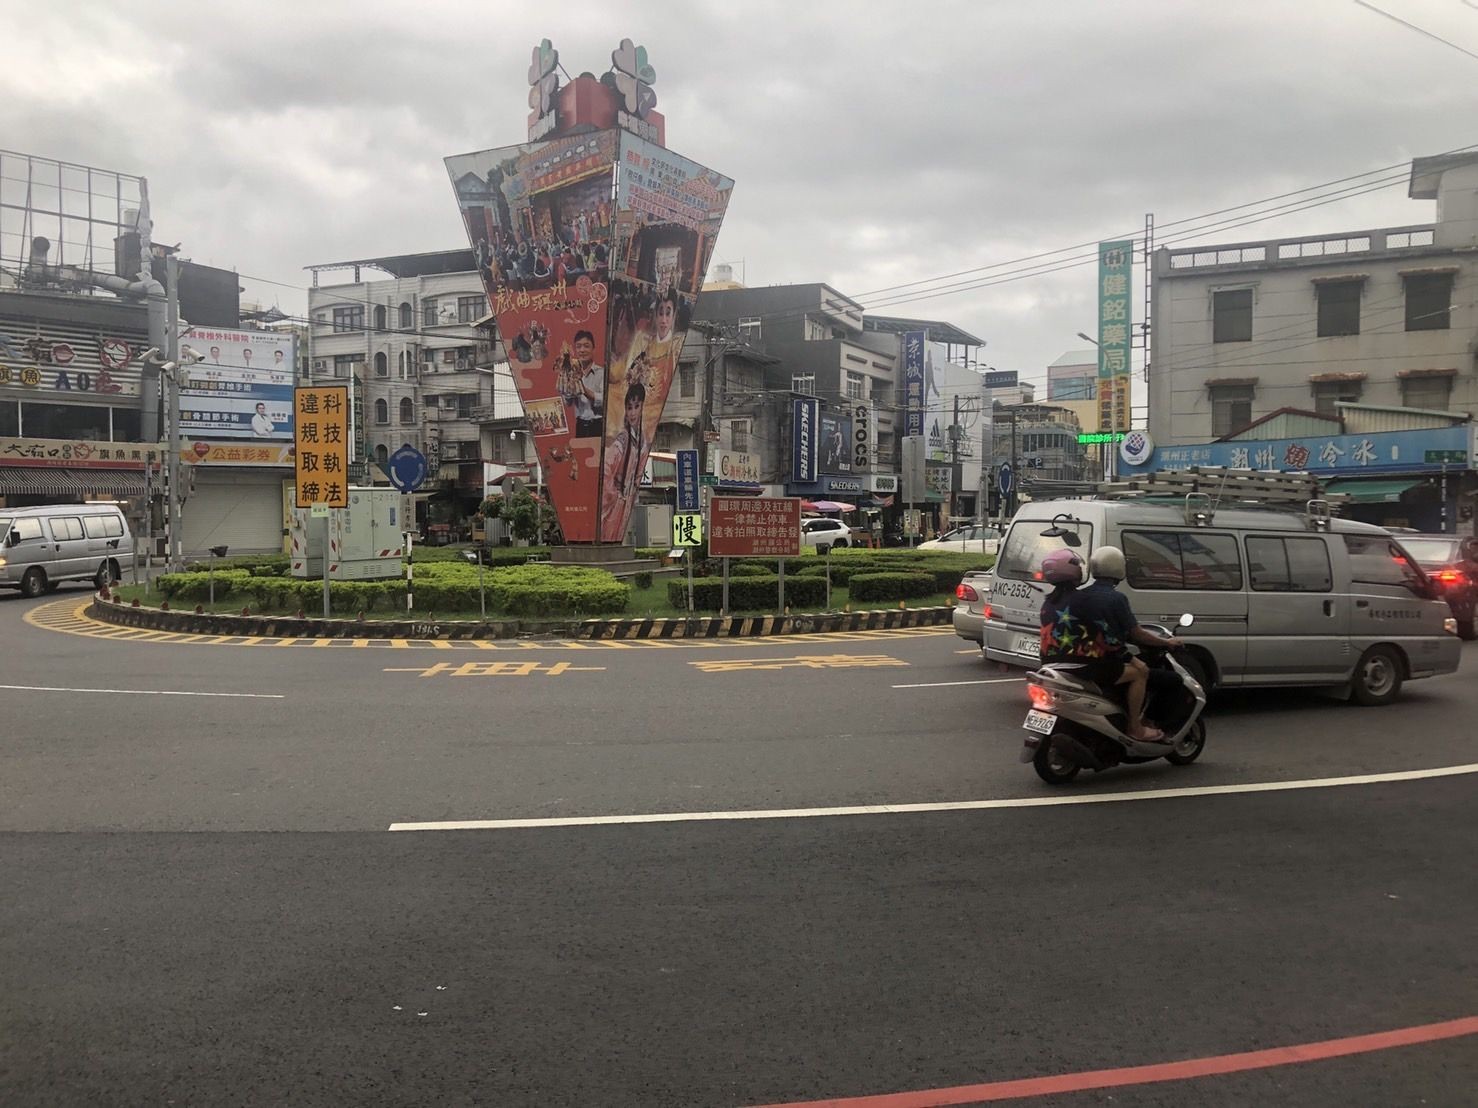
954, 463
1015, 466
170, 388
987, 449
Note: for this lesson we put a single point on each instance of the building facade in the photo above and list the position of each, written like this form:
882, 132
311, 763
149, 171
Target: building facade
1383, 317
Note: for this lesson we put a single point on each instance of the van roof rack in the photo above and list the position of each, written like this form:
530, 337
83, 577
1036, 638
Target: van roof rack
1204, 489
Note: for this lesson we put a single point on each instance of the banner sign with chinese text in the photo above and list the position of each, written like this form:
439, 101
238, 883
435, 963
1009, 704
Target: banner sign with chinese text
687, 480
321, 445
745, 526
1331, 455
1115, 266
913, 381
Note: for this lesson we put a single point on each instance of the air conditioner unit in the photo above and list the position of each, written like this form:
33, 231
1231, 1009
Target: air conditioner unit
320, 364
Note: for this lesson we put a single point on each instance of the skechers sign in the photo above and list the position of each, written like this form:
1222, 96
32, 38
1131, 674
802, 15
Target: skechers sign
803, 441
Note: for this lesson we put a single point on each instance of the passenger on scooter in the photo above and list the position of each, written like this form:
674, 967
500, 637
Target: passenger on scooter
1094, 626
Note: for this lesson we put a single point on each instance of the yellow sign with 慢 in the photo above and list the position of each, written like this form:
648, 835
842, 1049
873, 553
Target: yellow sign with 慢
687, 529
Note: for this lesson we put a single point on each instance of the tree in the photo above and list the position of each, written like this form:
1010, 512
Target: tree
526, 517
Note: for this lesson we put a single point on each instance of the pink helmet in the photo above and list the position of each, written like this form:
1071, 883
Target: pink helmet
1062, 567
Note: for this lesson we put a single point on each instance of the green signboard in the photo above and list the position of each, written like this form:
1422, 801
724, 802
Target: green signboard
1099, 438
1115, 267
1445, 457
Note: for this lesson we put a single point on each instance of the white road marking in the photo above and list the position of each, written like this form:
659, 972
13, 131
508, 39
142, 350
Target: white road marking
947, 684
146, 692
946, 806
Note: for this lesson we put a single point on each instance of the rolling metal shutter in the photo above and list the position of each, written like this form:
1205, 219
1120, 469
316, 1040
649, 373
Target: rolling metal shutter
240, 509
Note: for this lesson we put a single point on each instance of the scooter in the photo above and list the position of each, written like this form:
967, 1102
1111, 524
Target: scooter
1074, 724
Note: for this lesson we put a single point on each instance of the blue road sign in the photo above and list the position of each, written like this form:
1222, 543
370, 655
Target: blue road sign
407, 468
1004, 479
687, 480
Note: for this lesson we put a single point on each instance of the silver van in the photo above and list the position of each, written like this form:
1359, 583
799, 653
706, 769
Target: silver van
1281, 597
42, 547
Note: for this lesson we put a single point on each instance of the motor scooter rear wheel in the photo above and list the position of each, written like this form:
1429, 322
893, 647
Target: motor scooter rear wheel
1189, 748
1051, 766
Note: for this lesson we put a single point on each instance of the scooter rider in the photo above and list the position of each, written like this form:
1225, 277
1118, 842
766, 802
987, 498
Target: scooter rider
1094, 626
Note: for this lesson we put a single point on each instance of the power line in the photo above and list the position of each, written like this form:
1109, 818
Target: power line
1419, 30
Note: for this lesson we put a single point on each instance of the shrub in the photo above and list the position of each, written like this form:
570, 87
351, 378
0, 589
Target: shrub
193, 586
890, 586
750, 569
747, 593
642, 580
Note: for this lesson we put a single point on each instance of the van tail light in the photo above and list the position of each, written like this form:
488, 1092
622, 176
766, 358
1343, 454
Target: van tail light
966, 592
985, 613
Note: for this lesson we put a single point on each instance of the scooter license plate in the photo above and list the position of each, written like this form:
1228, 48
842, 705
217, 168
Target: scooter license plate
1040, 722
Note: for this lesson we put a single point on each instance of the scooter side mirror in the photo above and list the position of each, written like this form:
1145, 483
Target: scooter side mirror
1186, 619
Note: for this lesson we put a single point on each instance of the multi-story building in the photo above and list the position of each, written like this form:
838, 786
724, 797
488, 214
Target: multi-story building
417, 350
1382, 317
1072, 383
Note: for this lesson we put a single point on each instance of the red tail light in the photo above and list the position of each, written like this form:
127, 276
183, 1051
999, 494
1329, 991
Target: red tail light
1041, 698
985, 613
966, 592
1452, 577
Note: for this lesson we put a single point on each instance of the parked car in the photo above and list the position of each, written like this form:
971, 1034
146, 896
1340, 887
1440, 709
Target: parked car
43, 546
1281, 597
973, 539
824, 533
972, 598
1451, 562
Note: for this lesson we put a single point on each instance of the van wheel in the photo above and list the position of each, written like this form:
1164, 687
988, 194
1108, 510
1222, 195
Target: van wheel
105, 576
1378, 677
33, 584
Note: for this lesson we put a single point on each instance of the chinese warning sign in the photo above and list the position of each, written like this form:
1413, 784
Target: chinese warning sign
322, 445
740, 526
687, 529
1115, 266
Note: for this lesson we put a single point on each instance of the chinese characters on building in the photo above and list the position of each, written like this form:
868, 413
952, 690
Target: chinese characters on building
1115, 265
754, 525
322, 445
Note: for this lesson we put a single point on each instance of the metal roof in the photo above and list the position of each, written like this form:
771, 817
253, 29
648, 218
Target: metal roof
410, 265
939, 331
59, 481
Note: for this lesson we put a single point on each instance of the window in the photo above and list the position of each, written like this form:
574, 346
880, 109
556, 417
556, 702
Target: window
382, 452
1430, 390
428, 312
1231, 315
471, 308
1377, 561
739, 436
65, 527
403, 365
816, 331
382, 411
407, 410
803, 382
1428, 301
1231, 408
380, 313
1178, 560
468, 451
407, 319
749, 328
1026, 546
663, 439
1289, 565
465, 401
1329, 393
856, 386
1339, 307
687, 380
1072, 388
349, 318
382, 365
27, 529
100, 527
346, 365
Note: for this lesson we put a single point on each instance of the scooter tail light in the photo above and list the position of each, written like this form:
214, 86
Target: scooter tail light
1041, 697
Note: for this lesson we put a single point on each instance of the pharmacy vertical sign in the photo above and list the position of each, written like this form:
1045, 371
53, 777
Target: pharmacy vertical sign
1115, 265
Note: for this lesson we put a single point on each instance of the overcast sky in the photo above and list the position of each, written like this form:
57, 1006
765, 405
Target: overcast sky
873, 144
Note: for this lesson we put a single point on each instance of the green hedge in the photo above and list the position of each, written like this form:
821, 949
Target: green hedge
263, 565
890, 586
525, 590
749, 569
748, 593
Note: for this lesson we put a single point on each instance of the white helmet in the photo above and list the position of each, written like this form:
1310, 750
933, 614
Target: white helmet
1107, 561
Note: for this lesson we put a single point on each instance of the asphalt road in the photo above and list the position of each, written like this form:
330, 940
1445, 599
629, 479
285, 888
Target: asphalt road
204, 904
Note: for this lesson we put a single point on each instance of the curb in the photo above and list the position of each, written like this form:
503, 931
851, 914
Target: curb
694, 627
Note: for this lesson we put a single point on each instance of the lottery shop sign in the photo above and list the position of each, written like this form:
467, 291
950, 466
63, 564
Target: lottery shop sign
754, 526
321, 445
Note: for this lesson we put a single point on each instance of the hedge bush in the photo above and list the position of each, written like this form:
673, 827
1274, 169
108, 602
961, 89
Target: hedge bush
262, 565
195, 586
748, 593
890, 586
750, 569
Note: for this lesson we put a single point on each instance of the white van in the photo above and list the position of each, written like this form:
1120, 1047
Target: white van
42, 547
1280, 597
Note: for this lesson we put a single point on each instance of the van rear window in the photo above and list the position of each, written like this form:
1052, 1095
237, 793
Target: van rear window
1026, 546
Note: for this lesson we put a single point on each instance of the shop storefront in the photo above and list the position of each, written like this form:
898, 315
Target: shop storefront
1419, 479
238, 497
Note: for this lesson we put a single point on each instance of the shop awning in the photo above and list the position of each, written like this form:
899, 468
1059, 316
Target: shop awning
61, 482
1372, 492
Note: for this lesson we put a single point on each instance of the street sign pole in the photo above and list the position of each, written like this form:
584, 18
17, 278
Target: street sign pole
326, 520
689, 557
781, 597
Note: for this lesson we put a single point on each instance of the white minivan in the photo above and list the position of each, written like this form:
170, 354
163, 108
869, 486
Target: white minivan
42, 547
1280, 597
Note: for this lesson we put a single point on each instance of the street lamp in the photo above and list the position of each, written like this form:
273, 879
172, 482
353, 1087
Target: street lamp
1085, 338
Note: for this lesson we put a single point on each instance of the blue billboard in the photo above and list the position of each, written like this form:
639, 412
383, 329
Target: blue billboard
687, 480
1326, 455
241, 388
